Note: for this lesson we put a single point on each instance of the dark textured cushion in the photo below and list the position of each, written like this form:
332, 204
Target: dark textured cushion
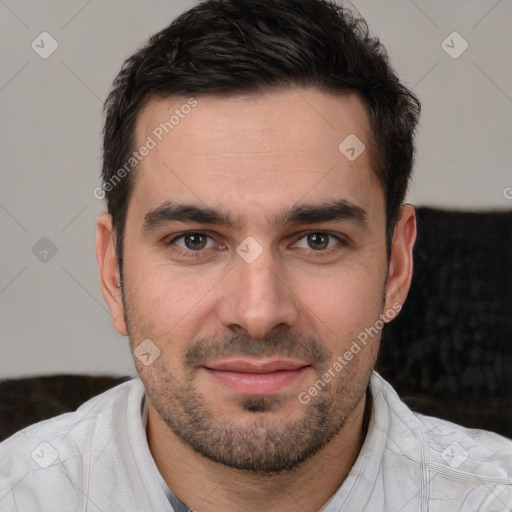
26, 401
449, 352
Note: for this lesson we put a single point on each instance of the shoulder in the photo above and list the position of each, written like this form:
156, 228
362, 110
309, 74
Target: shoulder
481, 453
448, 456
64, 441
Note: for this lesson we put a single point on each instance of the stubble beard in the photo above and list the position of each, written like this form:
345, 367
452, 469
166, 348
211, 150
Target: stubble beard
260, 442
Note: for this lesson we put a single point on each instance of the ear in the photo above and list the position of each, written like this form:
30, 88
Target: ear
109, 271
401, 261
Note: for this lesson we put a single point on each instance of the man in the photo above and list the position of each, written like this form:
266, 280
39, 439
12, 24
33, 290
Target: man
256, 161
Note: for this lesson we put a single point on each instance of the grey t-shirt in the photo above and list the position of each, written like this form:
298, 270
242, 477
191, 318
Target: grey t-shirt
176, 503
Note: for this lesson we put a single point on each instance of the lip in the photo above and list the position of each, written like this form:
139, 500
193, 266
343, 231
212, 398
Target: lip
256, 365
253, 377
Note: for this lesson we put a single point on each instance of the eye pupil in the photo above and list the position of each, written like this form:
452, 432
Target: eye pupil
318, 241
197, 240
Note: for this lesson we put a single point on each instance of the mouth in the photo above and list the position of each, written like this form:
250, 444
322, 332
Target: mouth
255, 376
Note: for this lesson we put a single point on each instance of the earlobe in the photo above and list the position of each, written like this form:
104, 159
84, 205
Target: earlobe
108, 267
401, 260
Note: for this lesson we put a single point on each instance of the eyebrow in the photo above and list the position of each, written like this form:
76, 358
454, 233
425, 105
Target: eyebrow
339, 210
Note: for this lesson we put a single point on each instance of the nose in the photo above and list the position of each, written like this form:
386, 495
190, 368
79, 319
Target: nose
257, 298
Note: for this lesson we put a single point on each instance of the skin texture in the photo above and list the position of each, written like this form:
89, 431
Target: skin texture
306, 298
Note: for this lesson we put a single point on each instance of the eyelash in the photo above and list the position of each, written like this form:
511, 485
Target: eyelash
197, 254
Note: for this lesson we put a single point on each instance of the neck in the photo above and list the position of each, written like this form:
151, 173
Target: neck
208, 486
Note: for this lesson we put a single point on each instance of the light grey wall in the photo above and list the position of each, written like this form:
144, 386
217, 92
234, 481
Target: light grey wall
52, 312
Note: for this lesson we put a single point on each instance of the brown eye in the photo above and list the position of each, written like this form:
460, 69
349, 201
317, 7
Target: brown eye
195, 241
192, 241
318, 241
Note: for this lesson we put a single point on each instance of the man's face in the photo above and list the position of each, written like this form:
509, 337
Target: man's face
270, 287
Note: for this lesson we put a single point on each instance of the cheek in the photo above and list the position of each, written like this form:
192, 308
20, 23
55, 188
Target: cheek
344, 302
164, 299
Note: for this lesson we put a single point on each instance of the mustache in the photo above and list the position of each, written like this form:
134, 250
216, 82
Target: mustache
281, 344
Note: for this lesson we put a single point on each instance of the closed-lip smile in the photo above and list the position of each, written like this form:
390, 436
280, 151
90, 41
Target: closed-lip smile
256, 376
256, 365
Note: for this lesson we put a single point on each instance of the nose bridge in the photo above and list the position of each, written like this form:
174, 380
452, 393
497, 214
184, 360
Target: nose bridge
257, 298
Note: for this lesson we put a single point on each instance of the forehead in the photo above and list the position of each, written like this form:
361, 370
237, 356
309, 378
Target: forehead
258, 152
